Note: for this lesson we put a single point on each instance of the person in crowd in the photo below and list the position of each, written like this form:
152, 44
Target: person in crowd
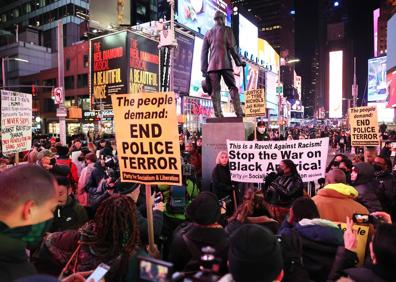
107, 150
337, 200
101, 144
382, 250
95, 179
348, 142
92, 147
359, 158
199, 147
363, 179
204, 230
258, 262
335, 162
63, 159
281, 189
137, 193
346, 166
80, 160
3, 164
32, 156
27, 198
386, 151
252, 210
320, 237
112, 237
46, 159
69, 214
387, 184
194, 159
76, 146
369, 154
176, 200
261, 133
342, 140
82, 195
222, 185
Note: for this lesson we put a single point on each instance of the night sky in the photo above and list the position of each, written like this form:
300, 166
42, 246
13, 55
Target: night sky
359, 16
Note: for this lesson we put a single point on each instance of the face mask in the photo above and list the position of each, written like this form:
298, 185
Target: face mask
280, 172
377, 168
261, 130
336, 164
31, 234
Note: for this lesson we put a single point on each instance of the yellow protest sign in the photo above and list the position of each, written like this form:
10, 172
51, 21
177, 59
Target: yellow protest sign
147, 138
362, 235
364, 126
255, 103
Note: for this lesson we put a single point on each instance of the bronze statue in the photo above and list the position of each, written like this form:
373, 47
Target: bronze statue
218, 47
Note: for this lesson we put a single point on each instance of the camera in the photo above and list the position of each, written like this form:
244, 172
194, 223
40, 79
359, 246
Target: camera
360, 218
209, 266
227, 200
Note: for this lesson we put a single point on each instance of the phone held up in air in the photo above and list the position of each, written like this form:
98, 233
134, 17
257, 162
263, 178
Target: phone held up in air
99, 272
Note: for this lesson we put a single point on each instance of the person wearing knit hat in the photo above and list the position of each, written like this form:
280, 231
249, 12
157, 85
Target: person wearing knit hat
202, 231
255, 255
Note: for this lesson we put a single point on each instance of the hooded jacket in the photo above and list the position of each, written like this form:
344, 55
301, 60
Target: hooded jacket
320, 240
337, 201
367, 186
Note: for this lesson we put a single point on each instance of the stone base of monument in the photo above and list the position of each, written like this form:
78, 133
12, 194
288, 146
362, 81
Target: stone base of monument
215, 133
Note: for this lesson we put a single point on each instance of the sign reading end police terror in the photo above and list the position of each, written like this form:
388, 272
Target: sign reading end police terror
251, 161
364, 126
147, 138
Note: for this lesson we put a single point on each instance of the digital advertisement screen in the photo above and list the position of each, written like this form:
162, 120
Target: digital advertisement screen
271, 97
384, 114
391, 44
108, 70
196, 75
376, 83
268, 55
335, 84
183, 63
248, 36
198, 14
391, 81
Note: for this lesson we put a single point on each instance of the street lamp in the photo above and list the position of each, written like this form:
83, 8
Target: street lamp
3, 72
292, 61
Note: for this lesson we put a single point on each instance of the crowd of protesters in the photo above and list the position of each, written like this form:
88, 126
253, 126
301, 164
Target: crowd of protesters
66, 211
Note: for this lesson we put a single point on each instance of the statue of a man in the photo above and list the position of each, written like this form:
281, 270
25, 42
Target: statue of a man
218, 47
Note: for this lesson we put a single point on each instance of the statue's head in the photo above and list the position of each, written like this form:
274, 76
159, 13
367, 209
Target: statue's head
219, 18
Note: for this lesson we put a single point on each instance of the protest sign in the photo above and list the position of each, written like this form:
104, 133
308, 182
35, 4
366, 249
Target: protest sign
16, 121
362, 235
364, 126
255, 103
251, 161
147, 138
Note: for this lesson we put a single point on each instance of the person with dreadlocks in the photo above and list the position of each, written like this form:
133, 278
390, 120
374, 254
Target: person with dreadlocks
112, 237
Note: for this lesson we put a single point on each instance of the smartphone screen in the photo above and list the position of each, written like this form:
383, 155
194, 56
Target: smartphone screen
360, 218
99, 272
154, 270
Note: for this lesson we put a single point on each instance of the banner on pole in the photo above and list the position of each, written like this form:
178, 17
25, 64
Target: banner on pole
16, 122
364, 126
147, 138
255, 105
251, 161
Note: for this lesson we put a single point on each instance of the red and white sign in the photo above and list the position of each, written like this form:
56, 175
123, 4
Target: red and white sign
57, 93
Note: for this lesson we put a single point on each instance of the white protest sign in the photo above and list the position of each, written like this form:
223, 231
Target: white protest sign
251, 161
16, 121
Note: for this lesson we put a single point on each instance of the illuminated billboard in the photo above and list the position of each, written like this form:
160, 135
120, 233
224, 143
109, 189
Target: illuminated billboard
198, 14
267, 56
196, 75
384, 114
335, 84
376, 81
271, 97
391, 44
248, 37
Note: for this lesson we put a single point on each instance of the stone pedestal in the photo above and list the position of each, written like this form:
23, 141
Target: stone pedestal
214, 139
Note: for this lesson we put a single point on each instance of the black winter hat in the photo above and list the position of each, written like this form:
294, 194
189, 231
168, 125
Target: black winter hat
62, 151
204, 209
125, 188
254, 254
